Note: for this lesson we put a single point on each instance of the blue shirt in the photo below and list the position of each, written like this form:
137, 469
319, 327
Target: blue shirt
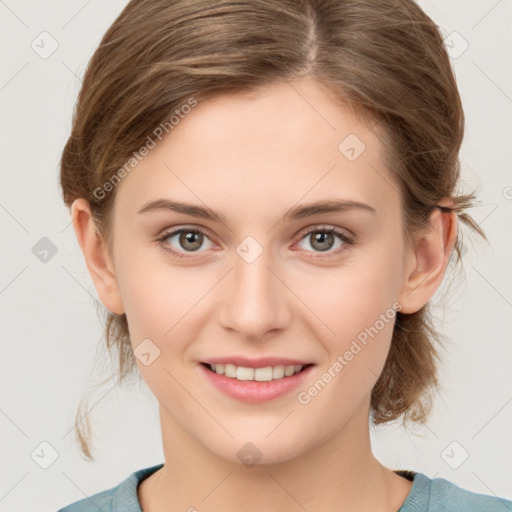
426, 495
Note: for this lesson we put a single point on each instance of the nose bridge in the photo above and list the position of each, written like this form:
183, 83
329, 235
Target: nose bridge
255, 302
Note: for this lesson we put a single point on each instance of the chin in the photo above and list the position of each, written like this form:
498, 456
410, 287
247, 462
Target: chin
257, 452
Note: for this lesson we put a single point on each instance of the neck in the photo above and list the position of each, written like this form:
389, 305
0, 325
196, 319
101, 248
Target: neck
339, 473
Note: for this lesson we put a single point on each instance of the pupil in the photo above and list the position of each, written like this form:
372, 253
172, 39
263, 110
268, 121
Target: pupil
321, 238
191, 237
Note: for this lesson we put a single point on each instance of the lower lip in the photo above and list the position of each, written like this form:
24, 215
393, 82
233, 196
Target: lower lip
253, 392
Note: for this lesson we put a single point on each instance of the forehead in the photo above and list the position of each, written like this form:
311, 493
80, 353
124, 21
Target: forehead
277, 145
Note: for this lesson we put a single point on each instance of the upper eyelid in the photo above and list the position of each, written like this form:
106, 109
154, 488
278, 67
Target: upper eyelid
324, 227
166, 233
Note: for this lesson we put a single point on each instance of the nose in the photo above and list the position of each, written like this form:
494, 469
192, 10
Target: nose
256, 300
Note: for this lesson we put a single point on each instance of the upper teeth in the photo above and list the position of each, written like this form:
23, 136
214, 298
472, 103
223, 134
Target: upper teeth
260, 374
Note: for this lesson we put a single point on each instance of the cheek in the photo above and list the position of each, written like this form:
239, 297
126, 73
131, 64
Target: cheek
355, 307
155, 296
360, 309
348, 298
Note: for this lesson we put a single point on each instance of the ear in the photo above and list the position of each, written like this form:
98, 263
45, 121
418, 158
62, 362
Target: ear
96, 256
426, 261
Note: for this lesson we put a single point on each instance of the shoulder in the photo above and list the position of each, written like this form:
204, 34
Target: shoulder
100, 501
440, 495
452, 497
121, 498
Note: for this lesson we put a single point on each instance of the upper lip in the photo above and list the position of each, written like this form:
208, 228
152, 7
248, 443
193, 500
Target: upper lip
260, 362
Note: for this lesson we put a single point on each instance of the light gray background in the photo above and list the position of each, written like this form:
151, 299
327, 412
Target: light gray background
49, 326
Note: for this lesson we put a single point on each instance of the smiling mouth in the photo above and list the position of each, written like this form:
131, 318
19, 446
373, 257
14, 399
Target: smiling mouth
265, 374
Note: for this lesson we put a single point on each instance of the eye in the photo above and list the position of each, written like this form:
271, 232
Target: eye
323, 240
187, 240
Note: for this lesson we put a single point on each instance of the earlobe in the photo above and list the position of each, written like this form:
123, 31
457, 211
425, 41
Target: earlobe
426, 262
96, 256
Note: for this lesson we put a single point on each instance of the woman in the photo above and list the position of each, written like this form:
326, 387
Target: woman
264, 193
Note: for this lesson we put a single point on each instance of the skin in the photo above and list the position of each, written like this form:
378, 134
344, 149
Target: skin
251, 158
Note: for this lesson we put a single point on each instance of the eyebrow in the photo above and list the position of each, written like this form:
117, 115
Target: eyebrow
297, 212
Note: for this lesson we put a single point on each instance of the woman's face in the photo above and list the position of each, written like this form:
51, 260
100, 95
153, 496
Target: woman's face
267, 280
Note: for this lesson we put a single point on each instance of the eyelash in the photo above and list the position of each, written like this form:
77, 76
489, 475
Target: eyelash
317, 229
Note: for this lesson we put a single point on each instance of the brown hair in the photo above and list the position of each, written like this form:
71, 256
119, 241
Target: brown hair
385, 59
